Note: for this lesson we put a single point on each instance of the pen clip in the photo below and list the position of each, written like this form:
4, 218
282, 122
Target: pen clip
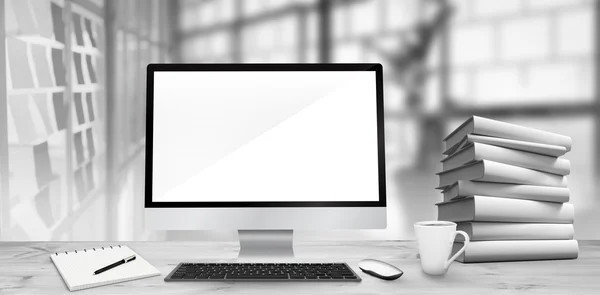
127, 259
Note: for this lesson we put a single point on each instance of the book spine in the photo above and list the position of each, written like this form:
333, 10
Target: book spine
514, 210
474, 170
493, 209
522, 159
498, 251
493, 231
532, 147
503, 173
514, 191
495, 128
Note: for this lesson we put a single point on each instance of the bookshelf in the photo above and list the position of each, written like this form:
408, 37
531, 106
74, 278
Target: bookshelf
56, 145
41, 58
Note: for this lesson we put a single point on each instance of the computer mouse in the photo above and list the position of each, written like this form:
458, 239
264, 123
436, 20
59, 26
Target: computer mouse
380, 269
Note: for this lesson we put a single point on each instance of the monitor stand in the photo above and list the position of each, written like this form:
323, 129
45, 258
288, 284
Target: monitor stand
266, 245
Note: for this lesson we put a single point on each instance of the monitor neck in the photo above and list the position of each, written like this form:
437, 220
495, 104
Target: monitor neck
276, 245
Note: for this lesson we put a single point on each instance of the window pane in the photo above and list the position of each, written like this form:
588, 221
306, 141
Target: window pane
511, 53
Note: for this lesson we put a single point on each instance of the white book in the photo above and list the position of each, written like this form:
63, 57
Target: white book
496, 251
491, 209
489, 127
77, 267
532, 147
497, 231
465, 188
480, 151
490, 171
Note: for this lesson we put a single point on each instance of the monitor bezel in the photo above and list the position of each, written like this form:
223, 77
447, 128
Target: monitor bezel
377, 68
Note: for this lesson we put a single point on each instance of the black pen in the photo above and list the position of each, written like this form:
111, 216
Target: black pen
122, 261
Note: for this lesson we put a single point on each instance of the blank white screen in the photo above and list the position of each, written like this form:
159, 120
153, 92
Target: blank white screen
265, 136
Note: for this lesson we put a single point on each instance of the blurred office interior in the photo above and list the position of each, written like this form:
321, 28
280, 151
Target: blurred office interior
72, 105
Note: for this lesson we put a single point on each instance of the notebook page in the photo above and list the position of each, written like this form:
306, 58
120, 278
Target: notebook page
77, 269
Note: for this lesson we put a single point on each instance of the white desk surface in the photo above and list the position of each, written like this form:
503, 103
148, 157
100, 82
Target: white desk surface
25, 268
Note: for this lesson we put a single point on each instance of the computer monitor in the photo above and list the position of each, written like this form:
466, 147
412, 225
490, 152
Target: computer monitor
265, 149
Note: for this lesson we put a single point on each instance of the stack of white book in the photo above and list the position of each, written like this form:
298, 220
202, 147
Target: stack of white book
505, 186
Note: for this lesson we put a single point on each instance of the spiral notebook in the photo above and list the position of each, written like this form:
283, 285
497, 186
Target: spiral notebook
77, 267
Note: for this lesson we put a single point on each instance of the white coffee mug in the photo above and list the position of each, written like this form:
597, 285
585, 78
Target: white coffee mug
435, 239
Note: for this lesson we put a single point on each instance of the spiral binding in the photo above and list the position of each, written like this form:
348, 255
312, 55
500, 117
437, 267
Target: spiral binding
85, 250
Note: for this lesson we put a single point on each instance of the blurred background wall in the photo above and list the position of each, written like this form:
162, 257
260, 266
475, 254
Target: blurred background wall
72, 94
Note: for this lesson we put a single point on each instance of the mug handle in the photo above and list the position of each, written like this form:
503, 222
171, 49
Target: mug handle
466, 243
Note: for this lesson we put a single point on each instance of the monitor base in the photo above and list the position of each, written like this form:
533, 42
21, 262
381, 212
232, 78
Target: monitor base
266, 245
